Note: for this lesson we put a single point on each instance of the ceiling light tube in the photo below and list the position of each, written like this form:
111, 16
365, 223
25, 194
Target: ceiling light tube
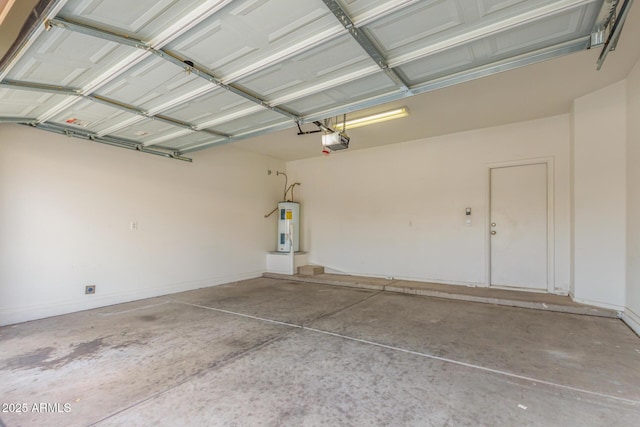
376, 118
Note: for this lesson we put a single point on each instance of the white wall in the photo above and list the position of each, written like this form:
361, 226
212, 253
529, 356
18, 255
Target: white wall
398, 210
65, 212
599, 197
632, 310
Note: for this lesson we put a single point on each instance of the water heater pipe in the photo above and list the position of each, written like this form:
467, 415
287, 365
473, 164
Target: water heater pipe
286, 181
271, 213
292, 261
290, 188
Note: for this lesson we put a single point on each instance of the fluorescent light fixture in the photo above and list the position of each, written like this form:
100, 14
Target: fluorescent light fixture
376, 118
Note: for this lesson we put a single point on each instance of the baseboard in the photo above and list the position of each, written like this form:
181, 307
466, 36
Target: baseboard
10, 316
632, 319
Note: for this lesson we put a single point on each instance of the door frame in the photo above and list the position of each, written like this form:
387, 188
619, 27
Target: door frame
549, 161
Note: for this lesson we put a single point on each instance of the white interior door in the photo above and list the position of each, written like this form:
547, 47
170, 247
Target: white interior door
519, 226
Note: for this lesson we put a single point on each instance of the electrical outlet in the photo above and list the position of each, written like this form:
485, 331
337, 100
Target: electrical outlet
90, 289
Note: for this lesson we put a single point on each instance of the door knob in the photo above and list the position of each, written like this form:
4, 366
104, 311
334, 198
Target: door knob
493, 224
493, 232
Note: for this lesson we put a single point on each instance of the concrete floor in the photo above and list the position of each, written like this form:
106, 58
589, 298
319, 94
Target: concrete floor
273, 352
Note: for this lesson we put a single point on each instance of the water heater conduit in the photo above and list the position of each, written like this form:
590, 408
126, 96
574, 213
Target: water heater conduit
286, 190
286, 181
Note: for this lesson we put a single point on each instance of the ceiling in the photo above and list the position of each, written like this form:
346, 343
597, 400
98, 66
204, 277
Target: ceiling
176, 76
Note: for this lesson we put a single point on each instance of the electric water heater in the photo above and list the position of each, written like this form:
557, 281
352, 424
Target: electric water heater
288, 219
